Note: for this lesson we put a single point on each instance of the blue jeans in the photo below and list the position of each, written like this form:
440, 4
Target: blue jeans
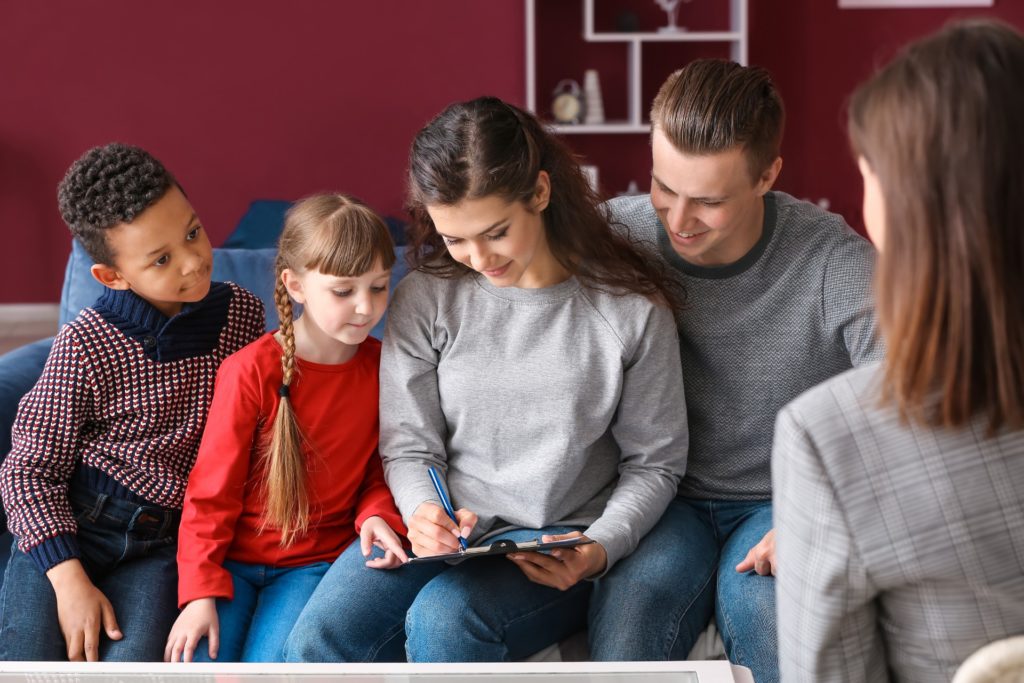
482, 610
268, 600
6, 542
655, 603
128, 551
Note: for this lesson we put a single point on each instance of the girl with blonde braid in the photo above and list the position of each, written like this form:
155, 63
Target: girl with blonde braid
288, 474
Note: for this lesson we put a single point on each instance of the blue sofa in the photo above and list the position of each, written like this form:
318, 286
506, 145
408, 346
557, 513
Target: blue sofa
20, 368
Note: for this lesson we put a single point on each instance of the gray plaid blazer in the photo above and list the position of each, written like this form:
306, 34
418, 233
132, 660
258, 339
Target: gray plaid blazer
900, 548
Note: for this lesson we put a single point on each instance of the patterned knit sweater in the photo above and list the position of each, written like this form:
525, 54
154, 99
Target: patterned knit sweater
120, 407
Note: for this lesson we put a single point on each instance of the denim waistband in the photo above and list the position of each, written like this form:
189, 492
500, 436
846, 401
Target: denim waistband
142, 517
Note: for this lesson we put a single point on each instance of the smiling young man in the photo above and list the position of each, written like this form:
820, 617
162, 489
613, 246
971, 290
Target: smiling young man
778, 302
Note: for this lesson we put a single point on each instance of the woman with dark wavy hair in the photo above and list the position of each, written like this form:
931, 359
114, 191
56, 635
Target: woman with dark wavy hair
531, 358
898, 486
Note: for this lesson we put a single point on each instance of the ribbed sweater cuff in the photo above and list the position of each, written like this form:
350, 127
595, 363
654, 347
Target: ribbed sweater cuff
53, 551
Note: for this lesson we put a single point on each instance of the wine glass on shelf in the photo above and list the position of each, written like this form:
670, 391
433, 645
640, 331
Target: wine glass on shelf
671, 8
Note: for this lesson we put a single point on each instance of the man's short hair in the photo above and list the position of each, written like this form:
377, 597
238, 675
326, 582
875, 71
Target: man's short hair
712, 105
109, 185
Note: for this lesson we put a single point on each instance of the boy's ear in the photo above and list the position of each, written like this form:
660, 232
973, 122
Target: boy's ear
108, 276
294, 285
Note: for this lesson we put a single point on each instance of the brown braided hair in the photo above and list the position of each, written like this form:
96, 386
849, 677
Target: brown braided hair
340, 236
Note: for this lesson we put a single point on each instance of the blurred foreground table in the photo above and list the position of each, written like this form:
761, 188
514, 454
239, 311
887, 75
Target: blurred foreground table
534, 672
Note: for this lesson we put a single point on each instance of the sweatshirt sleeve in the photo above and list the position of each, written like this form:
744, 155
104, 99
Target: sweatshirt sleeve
375, 498
216, 486
848, 307
45, 446
412, 425
651, 431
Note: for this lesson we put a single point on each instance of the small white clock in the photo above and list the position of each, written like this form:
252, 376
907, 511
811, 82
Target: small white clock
567, 102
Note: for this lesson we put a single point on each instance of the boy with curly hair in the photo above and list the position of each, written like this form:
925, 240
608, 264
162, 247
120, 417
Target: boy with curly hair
103, 444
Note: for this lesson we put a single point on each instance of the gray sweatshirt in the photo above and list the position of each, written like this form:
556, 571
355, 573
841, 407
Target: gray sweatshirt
555, 406
793, 312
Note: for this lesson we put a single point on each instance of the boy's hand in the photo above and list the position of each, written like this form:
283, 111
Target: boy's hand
376, 532
564, 567
432, 532
198, 619
82, 609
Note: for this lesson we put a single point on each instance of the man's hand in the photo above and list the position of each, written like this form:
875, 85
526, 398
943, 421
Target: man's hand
432, 532
761, 557
564, 567
198, 619
376, 532
82, 609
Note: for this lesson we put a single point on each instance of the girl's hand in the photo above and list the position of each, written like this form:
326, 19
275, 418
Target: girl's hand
198, 619
564, 567
376, 532
432, 532
81, 610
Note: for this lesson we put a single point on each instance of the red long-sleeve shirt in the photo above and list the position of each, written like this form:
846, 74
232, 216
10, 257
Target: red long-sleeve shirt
336, 409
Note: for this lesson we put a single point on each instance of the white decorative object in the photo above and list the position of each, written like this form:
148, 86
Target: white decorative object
592, 97
590, 171
671, 8
567, 102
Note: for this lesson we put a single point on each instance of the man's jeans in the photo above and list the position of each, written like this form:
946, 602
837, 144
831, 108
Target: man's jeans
128, 551
655, 603
268, 600
482, 610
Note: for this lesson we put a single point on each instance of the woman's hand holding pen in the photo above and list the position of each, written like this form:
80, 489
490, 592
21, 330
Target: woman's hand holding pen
432, 531
376, 532
564, 567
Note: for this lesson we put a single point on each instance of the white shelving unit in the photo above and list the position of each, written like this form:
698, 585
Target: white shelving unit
736, 37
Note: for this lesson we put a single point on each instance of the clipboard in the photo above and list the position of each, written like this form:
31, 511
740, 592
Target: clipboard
502, 547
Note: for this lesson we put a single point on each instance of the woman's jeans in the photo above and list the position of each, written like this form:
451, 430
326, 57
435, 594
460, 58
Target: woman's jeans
654, 604
128, 551
481, 610
268, 600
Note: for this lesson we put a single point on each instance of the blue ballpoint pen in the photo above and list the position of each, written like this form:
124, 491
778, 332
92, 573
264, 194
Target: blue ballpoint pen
439, 487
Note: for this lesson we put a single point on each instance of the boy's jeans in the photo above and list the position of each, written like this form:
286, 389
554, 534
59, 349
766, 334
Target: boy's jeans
655, 603
128, 551
482, 610
268, 600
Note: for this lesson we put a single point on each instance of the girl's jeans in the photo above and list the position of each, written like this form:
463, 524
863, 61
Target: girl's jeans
268, 600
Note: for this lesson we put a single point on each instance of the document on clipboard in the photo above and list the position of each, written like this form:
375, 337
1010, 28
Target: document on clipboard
502, 547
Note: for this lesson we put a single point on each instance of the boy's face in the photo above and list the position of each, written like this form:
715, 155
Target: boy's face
712, 210
163, 255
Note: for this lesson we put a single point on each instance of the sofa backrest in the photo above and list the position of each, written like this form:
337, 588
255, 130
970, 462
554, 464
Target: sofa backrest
250, 268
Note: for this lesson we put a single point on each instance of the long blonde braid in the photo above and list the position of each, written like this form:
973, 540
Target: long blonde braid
287, 490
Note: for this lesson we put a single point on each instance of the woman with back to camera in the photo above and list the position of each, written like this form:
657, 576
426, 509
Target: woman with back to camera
898, 486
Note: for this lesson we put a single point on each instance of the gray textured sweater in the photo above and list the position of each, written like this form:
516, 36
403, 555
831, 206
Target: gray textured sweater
793, 312
553, 406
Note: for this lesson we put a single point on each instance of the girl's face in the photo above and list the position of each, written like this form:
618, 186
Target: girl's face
339, 309
506, 242
874, 204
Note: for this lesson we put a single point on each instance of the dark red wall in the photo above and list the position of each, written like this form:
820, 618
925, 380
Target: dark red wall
241, 100
264, 99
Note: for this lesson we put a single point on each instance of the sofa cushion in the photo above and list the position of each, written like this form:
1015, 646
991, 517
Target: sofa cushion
250, 268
